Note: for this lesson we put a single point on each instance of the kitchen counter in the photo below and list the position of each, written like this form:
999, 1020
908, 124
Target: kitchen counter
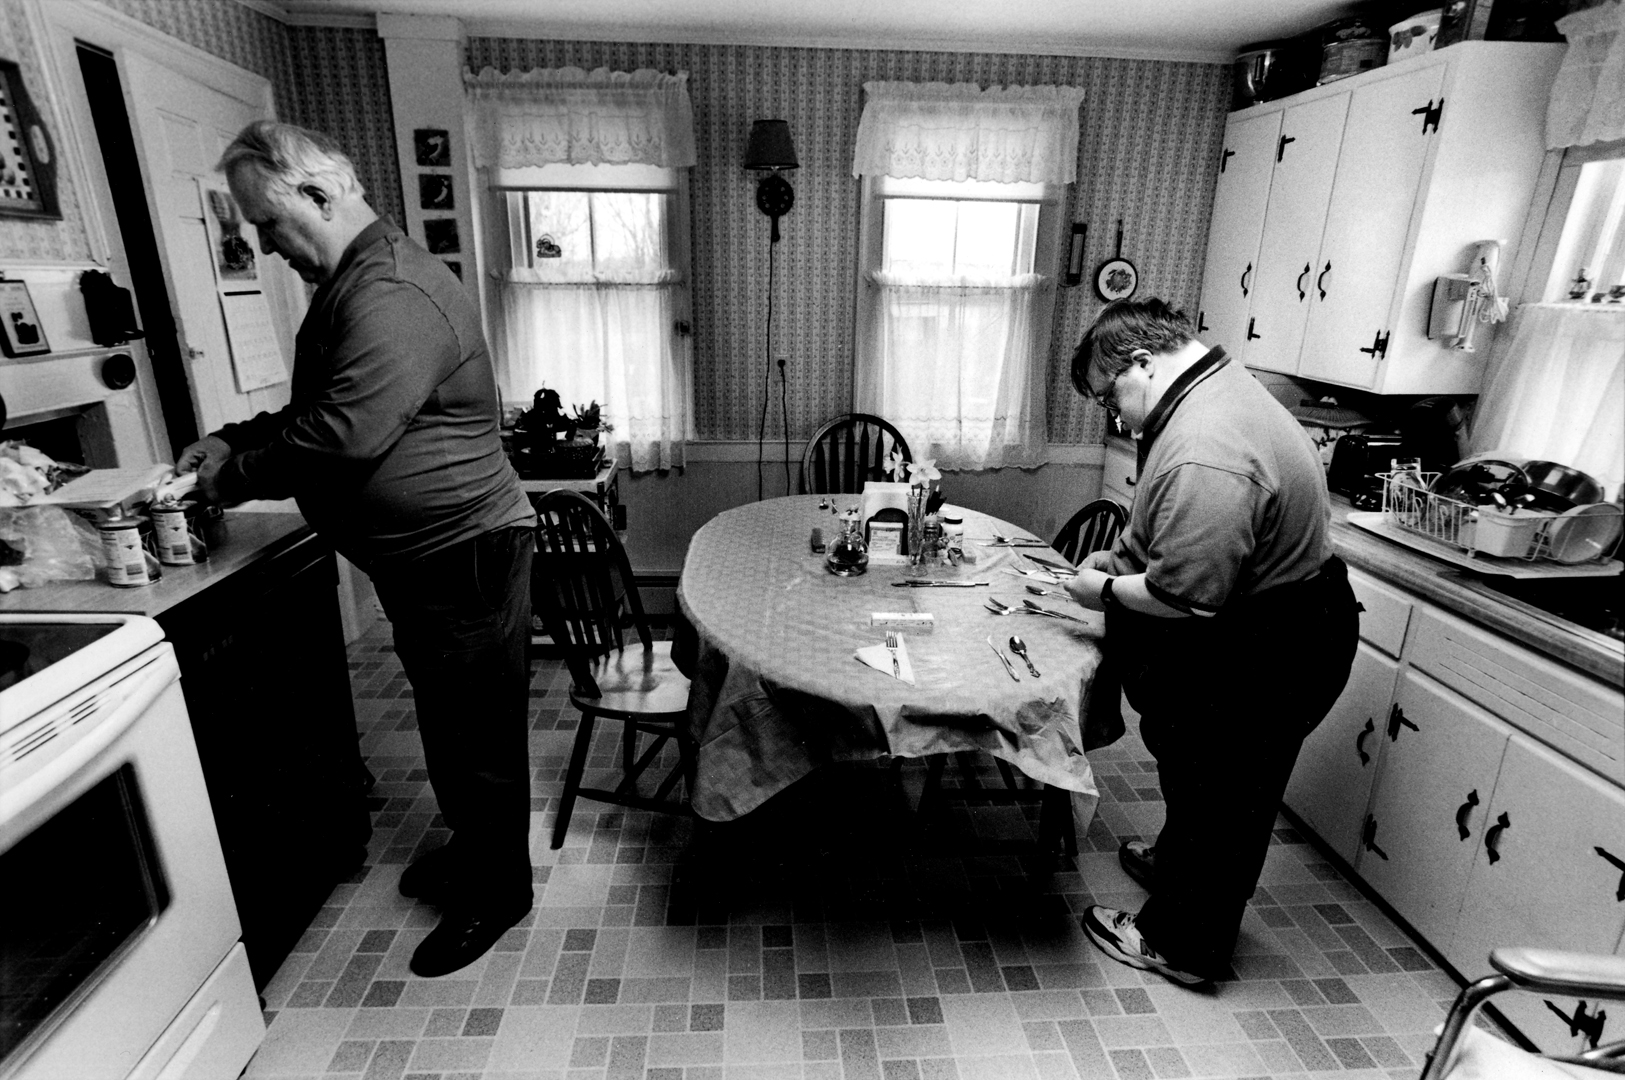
1460, 592
249, 538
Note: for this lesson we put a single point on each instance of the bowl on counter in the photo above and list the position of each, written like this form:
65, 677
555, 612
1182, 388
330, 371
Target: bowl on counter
1586, 532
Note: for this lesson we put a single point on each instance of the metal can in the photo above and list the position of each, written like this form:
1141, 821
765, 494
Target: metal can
176, 535
129, 564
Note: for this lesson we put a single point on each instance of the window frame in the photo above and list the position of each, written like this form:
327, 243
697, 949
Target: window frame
1536, 258
1048, 245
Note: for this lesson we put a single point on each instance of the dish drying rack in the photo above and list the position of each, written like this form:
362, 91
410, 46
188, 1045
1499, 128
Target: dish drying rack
1409, 504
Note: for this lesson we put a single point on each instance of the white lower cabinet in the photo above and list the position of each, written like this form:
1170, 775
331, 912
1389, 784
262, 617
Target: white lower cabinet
1492, 814
1441, 756
1332, 780
1547, 873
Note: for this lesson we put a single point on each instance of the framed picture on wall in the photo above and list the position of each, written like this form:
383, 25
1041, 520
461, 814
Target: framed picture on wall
440, 236
235, 260
432, 146
20, 330
434, 192
27, 159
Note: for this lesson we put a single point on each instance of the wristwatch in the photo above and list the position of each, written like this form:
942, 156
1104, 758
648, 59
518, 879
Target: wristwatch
1107, 597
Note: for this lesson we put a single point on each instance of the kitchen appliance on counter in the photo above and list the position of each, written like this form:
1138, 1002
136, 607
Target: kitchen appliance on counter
1358, 461
119, 950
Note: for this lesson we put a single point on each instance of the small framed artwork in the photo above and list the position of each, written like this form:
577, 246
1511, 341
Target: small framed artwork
27, 159
456, 267
20, 330
432, 147
235, 260
434, 192
440, 236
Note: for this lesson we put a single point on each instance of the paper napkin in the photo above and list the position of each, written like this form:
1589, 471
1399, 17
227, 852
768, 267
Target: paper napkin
879, 658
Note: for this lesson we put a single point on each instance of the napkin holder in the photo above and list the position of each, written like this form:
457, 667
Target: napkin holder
879, 495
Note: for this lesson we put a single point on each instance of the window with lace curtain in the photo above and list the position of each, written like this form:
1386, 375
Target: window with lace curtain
585, 175
961, 210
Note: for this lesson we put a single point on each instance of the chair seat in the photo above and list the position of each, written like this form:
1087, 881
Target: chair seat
637, 684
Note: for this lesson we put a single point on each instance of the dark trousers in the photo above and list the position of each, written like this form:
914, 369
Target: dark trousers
1225, 714
461, 618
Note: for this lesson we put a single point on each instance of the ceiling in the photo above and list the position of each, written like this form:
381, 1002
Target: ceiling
1203, 30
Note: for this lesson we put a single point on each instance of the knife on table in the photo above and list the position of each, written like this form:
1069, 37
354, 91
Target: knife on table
920, 583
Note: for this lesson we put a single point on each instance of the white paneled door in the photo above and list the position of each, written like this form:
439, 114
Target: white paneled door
181, 125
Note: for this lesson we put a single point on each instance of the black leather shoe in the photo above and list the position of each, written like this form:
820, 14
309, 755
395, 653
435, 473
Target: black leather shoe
1139, 859
463, 936
431, 876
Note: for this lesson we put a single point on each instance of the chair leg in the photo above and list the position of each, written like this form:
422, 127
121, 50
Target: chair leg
1006, 772
572, 780
1056, 831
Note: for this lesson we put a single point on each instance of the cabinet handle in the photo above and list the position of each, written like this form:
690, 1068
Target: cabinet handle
1463, 810
1368, 838
1320, 279
1379, 346
1306, 268
1430, 114
1224, 159
1619, 893
1280, 147
1493, 837
1359, 740
1130, 481
1250, 335
1396, 717
1245, 274
1581, 1023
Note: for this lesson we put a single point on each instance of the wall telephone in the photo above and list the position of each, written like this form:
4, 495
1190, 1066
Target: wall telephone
1464, 302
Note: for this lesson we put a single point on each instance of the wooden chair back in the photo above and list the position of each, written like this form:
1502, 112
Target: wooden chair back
1094, 528
847, 451
582, 584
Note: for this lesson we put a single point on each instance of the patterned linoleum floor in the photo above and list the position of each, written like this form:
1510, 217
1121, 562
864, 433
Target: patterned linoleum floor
832, 935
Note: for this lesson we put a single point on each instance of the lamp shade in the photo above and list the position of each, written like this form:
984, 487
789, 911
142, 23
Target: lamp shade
770, 146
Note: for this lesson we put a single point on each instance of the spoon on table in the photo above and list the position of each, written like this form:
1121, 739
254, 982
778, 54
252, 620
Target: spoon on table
1038, 590
999, 607
1019, 647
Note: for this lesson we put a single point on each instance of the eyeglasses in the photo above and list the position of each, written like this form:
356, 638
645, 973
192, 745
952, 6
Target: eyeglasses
1108, 399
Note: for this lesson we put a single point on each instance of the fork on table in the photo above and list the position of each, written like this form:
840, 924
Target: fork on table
892, 643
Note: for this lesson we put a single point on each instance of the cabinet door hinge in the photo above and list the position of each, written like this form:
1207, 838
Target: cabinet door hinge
1224, 159
1396, 717
1280, 147
1201, 321
1379, 347
1430, 114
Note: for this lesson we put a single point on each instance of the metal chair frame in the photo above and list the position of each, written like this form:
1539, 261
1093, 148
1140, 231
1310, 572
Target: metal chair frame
1541, 971
847, 450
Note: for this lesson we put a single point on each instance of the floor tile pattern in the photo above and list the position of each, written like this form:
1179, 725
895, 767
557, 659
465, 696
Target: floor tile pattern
835, 934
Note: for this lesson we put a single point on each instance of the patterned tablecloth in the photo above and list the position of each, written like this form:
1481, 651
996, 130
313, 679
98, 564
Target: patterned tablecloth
777, 691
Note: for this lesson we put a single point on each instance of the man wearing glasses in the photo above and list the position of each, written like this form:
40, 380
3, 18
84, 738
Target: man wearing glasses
1225, 571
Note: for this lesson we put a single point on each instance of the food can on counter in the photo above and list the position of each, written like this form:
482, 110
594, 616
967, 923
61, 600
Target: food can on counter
177, 536
129, 563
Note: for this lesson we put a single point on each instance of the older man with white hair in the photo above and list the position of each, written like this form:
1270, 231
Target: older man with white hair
390, 444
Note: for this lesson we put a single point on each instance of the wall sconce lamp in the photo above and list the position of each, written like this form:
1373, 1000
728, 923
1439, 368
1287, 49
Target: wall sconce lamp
771, 150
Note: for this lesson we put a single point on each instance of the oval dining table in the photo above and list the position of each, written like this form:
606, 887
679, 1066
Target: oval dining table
777, 691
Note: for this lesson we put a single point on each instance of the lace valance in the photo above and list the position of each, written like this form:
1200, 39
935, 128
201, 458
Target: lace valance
1588, 97
942, 131
567, 115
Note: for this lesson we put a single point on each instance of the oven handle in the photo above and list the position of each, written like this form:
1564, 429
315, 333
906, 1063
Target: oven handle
16, 800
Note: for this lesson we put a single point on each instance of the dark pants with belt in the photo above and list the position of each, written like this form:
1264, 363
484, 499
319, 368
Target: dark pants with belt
1225, 705
461, 618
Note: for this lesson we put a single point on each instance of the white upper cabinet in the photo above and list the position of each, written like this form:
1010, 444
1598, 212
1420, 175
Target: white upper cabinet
1238, 221
1376, 185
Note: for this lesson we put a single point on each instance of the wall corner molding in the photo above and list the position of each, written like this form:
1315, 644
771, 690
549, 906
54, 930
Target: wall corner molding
420, 27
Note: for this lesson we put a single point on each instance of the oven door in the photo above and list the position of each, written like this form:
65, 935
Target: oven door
117, 903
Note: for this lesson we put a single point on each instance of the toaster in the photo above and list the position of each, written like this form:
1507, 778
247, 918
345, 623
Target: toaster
1357, 460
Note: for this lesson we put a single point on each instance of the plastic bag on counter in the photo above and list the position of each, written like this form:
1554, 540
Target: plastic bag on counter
42, 544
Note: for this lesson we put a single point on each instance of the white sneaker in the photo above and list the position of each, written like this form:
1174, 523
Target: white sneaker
1115, 934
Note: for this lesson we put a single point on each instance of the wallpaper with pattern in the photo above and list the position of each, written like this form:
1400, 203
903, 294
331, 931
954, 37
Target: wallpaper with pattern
1148, 152
24, 239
